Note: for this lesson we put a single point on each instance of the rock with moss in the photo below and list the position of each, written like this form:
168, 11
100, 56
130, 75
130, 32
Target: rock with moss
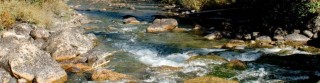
209, 80
236, 64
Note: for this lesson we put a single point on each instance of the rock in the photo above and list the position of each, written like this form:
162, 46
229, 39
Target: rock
77, 67
314, 24
40, 33
104, 74
162, 25
213, 36
23, 29
68, 43
247, 37
296, 31
5, 77
308, 33
278, 38
315, 36
166, 69
131, 20
264, 39
97, 56
255, 34
22, 81
234, 43
14, 35
239, 36
236, 64
209, 80
208, 59
296, 38
28, 62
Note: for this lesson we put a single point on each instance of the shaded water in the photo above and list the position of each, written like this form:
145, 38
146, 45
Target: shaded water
141, 55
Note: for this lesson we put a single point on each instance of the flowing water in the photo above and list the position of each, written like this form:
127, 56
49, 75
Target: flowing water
145, 56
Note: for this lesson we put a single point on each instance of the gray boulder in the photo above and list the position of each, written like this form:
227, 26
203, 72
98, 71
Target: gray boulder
162, 25
308, 33
296, 38
68, 43
5, 77
264, 39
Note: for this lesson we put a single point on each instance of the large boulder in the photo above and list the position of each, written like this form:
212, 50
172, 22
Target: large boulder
162, 25
264, 39
5, 77
296, 38
68, 43
29, 62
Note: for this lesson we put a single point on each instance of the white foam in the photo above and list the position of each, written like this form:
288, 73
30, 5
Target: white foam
247, 56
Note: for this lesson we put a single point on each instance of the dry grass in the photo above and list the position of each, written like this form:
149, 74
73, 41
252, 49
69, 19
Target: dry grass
199, 4
40, 13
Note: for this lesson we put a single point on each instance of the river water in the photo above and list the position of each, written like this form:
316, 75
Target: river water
145, 56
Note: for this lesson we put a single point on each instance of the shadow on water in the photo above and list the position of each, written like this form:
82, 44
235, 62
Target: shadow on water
293, 65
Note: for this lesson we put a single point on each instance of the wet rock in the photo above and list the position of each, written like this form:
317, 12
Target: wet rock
234, 43
131, 20
162, 25
68, 43
209, 59
296, 38
28, 62
308, 33
236, 64
278, 38
209, 80
97, 56
213, 36
40, 33
264, 39
76, 67
5, 77
166, 69
104, 74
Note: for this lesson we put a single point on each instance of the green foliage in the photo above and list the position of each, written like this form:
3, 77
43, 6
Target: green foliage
313, 7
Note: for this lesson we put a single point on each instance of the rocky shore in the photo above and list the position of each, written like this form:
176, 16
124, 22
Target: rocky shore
33, 54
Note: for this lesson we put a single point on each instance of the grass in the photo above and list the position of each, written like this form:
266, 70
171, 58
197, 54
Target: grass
40, 12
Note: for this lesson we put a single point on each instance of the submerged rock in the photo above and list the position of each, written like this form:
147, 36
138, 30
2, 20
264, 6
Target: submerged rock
208, 59
209, 80
68, 43
236, 64
104, 74
296, 38
162, 25
5, 77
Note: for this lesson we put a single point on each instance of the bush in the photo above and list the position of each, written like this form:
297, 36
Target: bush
39, 12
